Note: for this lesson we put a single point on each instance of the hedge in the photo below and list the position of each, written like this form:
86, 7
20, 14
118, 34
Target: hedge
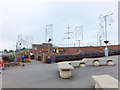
83, 54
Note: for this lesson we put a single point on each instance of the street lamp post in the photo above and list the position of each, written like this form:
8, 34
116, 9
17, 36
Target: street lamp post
106, 41
49, 47
49, 36
79, 44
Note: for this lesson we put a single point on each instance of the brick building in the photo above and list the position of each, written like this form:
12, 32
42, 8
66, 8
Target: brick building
40, 46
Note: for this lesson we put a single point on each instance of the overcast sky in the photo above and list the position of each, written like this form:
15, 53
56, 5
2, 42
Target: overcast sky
30, 19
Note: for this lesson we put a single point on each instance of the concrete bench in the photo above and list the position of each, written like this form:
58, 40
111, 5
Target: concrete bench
65, 70
105, 81
75, 63
89, 61
98, 61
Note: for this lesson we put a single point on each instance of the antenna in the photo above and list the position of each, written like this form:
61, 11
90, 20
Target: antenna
106, 21
29, 41
79, 34
23, 42
100, 36
68, 34
49, 32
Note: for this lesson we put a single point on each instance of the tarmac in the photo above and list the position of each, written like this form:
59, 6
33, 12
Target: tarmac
40, 75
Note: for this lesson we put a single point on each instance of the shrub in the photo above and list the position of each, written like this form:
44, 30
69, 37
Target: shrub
8, 58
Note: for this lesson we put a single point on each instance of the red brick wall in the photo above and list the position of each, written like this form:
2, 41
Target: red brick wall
69, 50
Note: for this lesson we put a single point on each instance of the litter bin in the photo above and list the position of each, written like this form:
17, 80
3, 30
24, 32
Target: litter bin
48, 60
39, 58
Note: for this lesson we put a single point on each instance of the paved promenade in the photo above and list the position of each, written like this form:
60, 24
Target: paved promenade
39, 75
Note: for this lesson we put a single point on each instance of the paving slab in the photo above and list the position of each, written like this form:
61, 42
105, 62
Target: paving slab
39, 75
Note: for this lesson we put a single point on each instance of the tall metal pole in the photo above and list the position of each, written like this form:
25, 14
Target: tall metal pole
106, 41
74, 44
46, 33
79, 42
100, 42
48, 49
105, 27
49, 35
68, 28
106, 49
79, 45
68, 35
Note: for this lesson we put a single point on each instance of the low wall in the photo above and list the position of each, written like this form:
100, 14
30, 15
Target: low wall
69, 50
